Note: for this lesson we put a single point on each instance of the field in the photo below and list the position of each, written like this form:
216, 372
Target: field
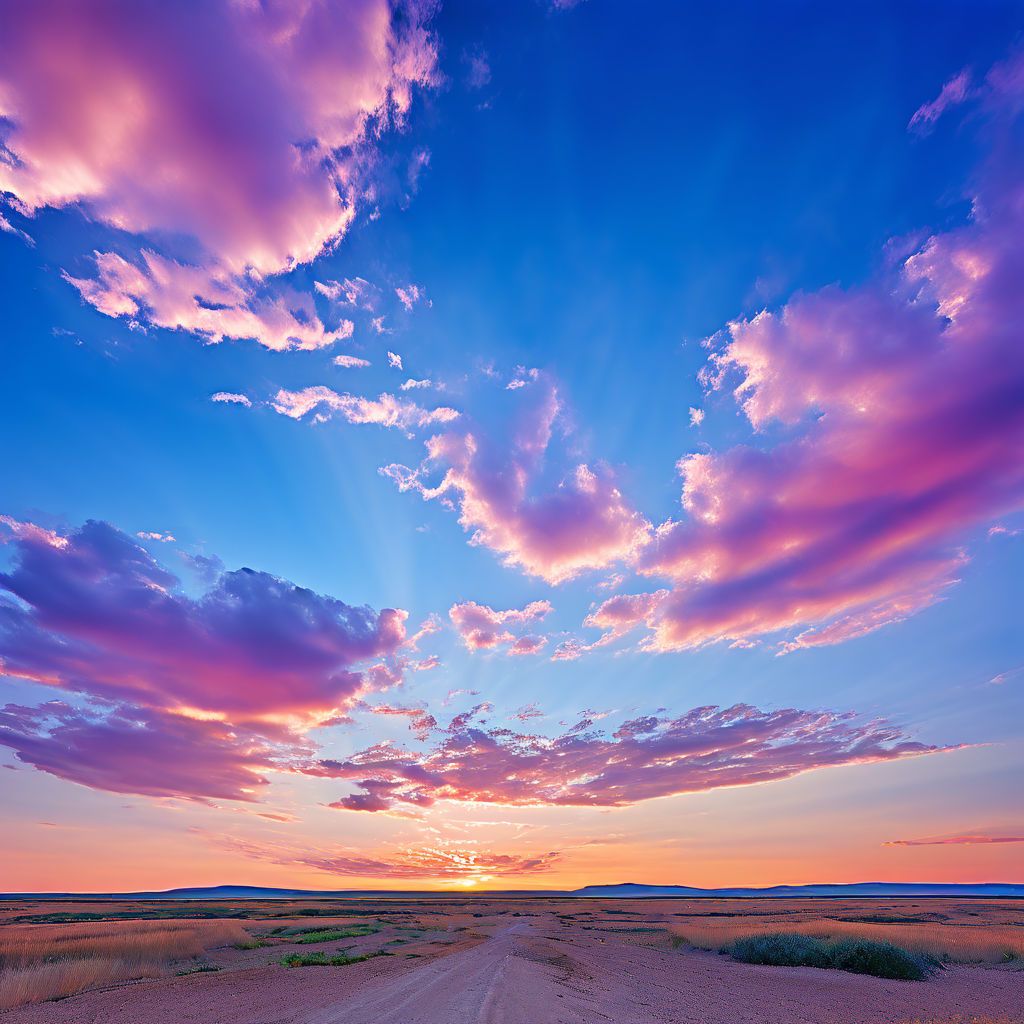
449, 960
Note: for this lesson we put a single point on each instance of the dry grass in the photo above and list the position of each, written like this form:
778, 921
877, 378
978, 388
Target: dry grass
39, 962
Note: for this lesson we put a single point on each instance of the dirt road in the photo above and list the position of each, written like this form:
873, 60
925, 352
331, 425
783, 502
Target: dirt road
513, 978
543, 972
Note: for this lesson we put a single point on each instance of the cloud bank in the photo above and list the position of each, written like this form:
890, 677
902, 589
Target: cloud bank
894, 423
239, 136
706, 748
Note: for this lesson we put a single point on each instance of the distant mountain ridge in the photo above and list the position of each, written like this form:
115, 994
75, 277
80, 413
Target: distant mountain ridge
623, 890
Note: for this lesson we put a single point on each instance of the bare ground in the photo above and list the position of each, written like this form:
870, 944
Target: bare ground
542, 972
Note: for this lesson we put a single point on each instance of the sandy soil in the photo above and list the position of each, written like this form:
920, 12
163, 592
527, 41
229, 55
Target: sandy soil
541, 971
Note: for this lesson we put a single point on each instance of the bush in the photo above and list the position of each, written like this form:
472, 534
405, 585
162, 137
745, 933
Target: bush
858, 956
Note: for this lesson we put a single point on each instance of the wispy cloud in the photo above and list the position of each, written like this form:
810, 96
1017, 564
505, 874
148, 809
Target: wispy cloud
440, 859
963, 840
704, 749
385, 410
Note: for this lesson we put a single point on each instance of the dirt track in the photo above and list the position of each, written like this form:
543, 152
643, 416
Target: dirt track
527, 974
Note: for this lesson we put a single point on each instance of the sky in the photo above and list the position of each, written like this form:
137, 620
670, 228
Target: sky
523, 445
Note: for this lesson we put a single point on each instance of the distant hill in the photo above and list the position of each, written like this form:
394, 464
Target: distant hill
885, 889
623, 890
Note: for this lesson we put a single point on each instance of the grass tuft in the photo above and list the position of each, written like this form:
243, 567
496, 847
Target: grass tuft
858, 956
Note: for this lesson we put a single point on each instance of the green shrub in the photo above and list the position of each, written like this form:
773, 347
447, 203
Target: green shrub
780, 949
858, 956
333, 934
323, 960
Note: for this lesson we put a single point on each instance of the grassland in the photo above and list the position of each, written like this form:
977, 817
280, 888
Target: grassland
54, 949
49, 961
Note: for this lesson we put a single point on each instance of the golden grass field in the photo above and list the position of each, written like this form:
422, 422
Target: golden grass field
54, 949
44, 961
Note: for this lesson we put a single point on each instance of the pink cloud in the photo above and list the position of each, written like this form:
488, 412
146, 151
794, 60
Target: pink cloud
395, 361
350, 362
355, 291
964, 840
421, 722
529, 643
898, 408
232, 128
409, 296
706, 748
230, 398
483, 628
528, 711
558, 532
150, 752
954, 92
204, 301
385, 410
100, 616
439, 859
478, 70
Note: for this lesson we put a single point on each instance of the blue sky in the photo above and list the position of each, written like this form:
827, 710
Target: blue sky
619, 185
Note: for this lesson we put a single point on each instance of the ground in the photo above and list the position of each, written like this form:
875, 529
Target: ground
548, 962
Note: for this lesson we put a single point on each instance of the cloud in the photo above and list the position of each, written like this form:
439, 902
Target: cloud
954, 92
409, 296
203, 301
483, 628
163, 538
441, 859
385, 411
893, 429
555, 532
98, 615
230, 398
350, 362
240, 134
529, 643
355, 291
528, 711
452, 694
9, 228
395, 361
965, 840
421, 722
415, 385
478, 68
706, 748
122, 749
696, 417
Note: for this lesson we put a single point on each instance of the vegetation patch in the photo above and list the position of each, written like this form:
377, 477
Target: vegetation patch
323, 960
858, 956
198, 969
309, 935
